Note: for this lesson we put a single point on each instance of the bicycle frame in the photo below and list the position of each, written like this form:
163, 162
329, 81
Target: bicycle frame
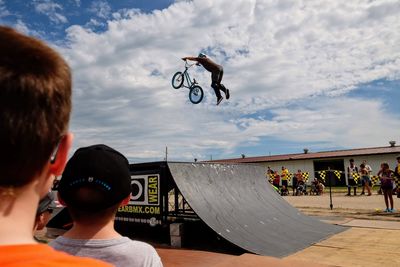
195, 91
189, 82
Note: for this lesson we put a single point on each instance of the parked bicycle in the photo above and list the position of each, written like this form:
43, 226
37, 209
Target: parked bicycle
183, 79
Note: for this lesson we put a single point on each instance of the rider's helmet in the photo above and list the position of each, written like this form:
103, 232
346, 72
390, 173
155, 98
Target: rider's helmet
202, 55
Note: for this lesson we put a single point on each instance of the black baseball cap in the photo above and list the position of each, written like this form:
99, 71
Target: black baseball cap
99, 168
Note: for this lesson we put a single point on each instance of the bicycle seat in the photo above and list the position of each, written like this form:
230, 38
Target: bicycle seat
194, 81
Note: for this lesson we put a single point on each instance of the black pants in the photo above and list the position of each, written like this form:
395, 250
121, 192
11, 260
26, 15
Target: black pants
216, 78
349, 190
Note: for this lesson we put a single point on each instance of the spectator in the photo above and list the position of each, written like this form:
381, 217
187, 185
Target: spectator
386, 176
35, 105
44, 211
301, 185
294, 183
269, 170
365, 179
314, 187
95, 183
269, 174
284, 191
285, 177
369, 171
352, 170
277, 179
320, 188
367, 167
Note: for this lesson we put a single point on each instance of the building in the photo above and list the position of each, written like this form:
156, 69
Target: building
313, 162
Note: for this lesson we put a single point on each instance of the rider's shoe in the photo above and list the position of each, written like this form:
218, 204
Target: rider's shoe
227, 95
219, 100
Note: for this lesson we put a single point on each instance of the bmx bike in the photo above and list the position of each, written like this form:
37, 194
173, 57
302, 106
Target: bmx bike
196, 93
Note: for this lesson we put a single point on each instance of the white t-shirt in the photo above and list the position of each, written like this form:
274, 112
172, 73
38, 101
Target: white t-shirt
368, 168
122, 252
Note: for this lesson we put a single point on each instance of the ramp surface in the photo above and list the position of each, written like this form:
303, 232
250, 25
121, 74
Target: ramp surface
237, 202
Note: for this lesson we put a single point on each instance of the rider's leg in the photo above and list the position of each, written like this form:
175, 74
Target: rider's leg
225, 90
215, 86
221, 86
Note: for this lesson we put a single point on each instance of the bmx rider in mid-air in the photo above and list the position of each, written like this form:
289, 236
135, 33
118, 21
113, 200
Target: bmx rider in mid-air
217, 72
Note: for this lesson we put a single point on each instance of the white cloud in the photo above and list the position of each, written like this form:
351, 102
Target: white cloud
50, 9
22, 27
93, 23
342, 121
101, 8
274, 54
125, 13
3, 9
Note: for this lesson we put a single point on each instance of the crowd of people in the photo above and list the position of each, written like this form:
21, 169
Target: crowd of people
356, 176
35, 107
387, 177
280, 182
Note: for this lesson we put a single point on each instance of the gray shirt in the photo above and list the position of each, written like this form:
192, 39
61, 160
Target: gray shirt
118, 251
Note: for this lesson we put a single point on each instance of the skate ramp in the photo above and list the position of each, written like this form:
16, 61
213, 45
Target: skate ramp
238, 203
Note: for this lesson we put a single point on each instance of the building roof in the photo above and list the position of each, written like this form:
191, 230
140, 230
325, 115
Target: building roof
316, 155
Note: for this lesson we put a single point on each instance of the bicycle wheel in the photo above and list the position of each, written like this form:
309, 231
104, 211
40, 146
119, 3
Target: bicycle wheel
196, 94
177, 80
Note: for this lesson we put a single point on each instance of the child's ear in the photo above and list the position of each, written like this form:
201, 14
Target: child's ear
125, 201
60, 157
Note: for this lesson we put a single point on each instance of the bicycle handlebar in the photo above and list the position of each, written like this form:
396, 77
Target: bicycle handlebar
187, 65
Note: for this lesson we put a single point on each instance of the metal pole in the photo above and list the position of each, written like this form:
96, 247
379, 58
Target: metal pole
330, 186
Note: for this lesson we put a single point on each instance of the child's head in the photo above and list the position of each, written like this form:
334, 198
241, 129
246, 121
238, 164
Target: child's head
385, 166
35, 105
95, 181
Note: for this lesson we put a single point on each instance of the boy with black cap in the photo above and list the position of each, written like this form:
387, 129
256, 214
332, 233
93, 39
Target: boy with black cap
95, 183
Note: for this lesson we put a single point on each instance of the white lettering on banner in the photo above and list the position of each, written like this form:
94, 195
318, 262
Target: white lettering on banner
140, 190
145, 190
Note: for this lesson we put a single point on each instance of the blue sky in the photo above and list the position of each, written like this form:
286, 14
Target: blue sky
322, 75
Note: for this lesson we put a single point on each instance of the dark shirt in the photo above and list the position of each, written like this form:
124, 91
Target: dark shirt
209, 65
294, 181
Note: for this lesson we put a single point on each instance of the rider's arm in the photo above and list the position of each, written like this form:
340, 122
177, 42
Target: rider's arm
190, 58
